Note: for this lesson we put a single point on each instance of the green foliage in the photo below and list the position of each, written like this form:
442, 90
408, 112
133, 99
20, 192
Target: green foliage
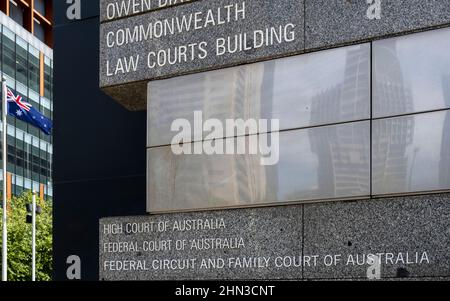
19, 240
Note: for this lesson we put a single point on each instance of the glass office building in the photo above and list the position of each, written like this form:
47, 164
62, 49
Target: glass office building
26, 61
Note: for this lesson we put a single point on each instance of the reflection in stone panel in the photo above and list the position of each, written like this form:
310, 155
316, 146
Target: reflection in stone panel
444, 166
410, 153
319, 163
408, 73
301, 91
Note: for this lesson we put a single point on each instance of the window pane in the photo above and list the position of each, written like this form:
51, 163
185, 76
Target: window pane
39, 5
22, 88
411, 153
21, 65
19, 190
307, 90
8, 56
39, 31
11, 159
33, 131
315, 164
21, 125
47, 81
20, 155
46, 112
411, 73
34, 72
16, 13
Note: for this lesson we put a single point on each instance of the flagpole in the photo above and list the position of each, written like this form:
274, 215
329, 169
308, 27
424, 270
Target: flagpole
4, 203
33, 239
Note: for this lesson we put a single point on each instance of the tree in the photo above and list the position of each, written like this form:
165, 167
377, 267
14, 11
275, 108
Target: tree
19, 240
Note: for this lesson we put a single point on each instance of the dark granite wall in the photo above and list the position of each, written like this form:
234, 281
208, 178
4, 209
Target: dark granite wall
299, 242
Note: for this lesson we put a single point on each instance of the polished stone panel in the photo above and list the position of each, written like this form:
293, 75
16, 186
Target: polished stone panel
311, 242
194, 37
411, 73
313, 89
411, 153
318, 163
221, 245
334, 22
343, 234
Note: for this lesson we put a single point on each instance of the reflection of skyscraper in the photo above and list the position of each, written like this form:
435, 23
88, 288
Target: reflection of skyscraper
343, 152
390, 154
173, 99
444, 165
245, 177
222, 95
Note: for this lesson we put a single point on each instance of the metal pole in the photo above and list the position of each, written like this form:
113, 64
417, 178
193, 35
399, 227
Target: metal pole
33, 240
4, 203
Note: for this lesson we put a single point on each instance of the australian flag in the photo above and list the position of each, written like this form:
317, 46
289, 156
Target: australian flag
25, 112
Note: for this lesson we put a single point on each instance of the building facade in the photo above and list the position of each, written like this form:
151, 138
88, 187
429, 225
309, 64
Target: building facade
363, 104
360, 182
27, 64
